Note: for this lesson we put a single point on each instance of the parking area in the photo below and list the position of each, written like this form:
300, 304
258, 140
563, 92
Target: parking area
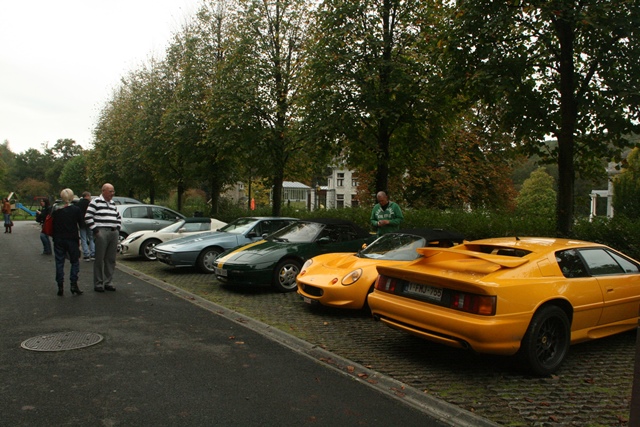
593, 387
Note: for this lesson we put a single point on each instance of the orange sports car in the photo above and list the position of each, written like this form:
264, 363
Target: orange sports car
345, 279
530, 297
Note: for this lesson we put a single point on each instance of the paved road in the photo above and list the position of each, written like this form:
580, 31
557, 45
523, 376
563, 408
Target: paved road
168, 358
593, 387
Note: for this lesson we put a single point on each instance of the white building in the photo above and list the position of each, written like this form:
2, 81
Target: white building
342, 189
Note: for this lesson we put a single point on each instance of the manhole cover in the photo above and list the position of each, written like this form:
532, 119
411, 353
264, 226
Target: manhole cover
62, 341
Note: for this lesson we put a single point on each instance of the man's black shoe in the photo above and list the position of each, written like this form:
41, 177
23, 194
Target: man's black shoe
109, 288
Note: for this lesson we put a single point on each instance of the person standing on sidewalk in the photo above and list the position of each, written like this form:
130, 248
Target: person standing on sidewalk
86, 236
67, 218
103, 219
41, 215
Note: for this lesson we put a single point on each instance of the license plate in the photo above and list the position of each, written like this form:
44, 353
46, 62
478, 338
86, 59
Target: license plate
426, 291
220, 272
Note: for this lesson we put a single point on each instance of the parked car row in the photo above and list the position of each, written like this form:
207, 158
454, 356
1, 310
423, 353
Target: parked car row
525, 297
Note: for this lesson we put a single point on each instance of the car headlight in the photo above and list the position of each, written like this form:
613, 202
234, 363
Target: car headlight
352, 277
306, 265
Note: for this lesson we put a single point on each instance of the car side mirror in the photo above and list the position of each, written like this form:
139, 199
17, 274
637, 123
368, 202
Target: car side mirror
182, 230
252, 234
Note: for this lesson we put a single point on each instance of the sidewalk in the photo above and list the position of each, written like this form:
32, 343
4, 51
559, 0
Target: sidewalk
169, 360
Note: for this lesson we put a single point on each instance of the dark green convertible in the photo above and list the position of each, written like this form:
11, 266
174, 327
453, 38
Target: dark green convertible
277, 259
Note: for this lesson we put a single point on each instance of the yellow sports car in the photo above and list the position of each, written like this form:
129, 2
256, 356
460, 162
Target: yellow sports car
344, 279
529, 297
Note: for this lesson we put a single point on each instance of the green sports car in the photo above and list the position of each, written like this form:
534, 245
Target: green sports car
277, 259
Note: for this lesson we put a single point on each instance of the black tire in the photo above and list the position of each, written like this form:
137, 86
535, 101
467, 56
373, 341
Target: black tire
284, 275
146, 249
547, 340
206, 260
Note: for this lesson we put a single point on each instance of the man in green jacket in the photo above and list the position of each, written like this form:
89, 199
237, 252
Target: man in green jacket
386, 216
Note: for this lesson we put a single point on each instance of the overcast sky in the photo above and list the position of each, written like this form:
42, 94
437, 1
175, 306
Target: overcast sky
60, 61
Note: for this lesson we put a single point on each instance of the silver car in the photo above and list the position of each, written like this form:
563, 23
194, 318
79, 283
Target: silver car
145, 217
202, 250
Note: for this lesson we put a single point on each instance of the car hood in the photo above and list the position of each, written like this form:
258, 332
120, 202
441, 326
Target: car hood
339, 262
139, 233
261, 251
199, 240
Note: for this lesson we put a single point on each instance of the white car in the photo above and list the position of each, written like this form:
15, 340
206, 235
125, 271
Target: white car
141, 243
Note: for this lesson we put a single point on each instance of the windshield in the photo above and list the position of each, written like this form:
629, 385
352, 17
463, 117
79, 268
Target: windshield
298, 232
239, 226
173, 228
400, 247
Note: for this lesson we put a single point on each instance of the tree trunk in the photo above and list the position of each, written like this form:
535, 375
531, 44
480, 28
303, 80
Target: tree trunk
276, 207
565, 136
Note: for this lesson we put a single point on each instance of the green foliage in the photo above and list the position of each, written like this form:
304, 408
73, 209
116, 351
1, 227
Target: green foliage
557, 68
537, 196
74, 175
619, 232
626, 195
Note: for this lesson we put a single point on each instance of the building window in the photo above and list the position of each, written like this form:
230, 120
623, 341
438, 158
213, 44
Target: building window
340, 180
354, 182
340, 201
354, 201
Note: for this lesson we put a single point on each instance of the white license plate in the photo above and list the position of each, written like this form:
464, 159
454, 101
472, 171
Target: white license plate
220, 272
426, 291
307, 300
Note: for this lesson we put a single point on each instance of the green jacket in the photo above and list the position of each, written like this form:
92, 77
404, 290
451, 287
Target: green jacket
391, 213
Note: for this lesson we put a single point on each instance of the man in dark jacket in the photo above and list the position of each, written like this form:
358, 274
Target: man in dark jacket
66, 220
86, 236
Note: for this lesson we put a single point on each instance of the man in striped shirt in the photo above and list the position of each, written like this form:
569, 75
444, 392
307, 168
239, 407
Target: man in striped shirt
103, 219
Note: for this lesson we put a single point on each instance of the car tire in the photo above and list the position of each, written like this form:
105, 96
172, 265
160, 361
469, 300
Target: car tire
146, 249
284, 275
547, 340
206, 260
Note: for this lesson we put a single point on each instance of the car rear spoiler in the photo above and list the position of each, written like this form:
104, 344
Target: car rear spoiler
462, 260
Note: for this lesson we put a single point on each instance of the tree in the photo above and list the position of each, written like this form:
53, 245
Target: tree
468, 168
537, 196
74, 175
195, 123
626, 188
374, 95
7, 158
59, 154
264, 82
565, 68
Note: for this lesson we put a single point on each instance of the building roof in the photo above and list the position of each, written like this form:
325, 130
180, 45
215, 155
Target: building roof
291, 184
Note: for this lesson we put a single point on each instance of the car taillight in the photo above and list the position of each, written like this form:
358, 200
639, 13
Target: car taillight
386, 284
476, 304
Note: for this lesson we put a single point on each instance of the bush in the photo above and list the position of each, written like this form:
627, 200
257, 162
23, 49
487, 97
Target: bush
619, 232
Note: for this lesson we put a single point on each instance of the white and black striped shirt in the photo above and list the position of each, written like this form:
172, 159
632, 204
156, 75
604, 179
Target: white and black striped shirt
101, 213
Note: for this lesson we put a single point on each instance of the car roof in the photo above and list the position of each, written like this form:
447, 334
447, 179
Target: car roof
431, 234
338, 221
